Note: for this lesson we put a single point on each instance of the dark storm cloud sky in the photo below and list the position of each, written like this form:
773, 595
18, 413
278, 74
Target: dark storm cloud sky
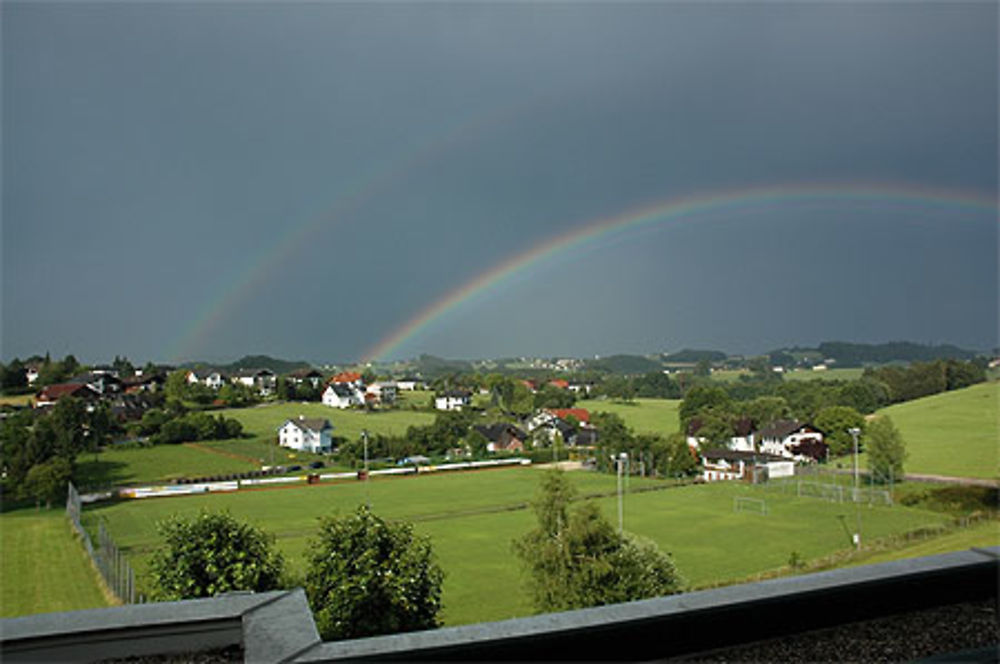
158, 157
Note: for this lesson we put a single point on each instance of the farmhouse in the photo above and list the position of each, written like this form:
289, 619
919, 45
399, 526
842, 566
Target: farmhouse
341, 395
53, 393
502, 437
791, 439
740, 465
262, 380
302, 376
452, 400
212, 379
410, 384
348, 377
102, 383
384, 392
306, 434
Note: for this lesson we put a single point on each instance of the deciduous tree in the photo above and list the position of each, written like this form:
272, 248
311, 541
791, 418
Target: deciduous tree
886, 450
367, 577
213, 553
575, 558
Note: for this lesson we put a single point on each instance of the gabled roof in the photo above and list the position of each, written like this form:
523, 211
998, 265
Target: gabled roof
495, 431
306, 373
781, 428
741, 455
559, 382
581, 414
316, 424
346, 377
341, 390
59, 390
456, 394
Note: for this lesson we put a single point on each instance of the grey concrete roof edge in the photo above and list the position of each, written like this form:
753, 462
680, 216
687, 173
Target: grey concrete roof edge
649, 609
130, 615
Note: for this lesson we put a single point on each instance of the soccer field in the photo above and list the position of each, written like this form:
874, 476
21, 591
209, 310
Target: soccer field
472, 518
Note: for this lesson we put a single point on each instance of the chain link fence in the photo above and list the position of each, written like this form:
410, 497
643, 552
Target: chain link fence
111, 563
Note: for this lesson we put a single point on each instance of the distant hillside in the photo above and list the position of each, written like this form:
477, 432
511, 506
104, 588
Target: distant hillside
266, 362
252, 362
856, 355
624, 364
694, 356
430, 366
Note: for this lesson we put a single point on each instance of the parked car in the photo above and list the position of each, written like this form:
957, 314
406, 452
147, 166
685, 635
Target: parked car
317, 464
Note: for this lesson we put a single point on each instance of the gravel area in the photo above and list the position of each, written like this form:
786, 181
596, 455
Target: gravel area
223, 656
941, 634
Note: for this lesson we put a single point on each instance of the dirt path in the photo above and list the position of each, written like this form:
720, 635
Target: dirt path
927, 477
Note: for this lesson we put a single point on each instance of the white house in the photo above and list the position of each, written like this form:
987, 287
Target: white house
452, 400
384, 392
341, 395
306, 434
410, 384
738, 465
262, 380
212, 379
784, 437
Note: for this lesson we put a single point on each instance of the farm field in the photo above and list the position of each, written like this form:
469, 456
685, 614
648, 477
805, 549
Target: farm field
643, 415
45, 568
953, 433
472, 518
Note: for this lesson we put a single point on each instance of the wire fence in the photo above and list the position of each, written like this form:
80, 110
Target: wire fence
108, 558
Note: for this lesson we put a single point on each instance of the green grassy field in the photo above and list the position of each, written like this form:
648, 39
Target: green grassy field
116, 467
472, 518
953, 433
733, 375
986, 533
643, 415
162, 463
44, 568
262, 422
16, 399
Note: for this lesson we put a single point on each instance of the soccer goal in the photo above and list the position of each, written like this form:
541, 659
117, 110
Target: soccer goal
755, 505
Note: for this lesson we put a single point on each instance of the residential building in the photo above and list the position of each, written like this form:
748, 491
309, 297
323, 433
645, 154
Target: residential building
306, 434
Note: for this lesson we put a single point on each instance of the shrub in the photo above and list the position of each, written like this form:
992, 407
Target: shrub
213, 553
369, 577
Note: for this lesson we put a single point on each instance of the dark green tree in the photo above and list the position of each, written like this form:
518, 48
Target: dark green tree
46, 482
886, 450
835, 423
213, 553
575, 558
367, 576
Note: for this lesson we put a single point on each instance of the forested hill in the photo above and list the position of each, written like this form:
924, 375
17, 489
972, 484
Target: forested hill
856, 355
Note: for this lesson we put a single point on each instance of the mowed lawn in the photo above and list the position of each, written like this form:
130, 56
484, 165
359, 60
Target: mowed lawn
953, 433
472, 517
642, 415
160, 463
262, 422
44, 566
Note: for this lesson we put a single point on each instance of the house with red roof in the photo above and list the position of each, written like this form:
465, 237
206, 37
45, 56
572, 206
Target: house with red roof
350, 377
582, 415
53, 393
560, 383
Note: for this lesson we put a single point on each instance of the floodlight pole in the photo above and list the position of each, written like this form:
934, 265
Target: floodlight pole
855, 432
621, 461
364, 437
